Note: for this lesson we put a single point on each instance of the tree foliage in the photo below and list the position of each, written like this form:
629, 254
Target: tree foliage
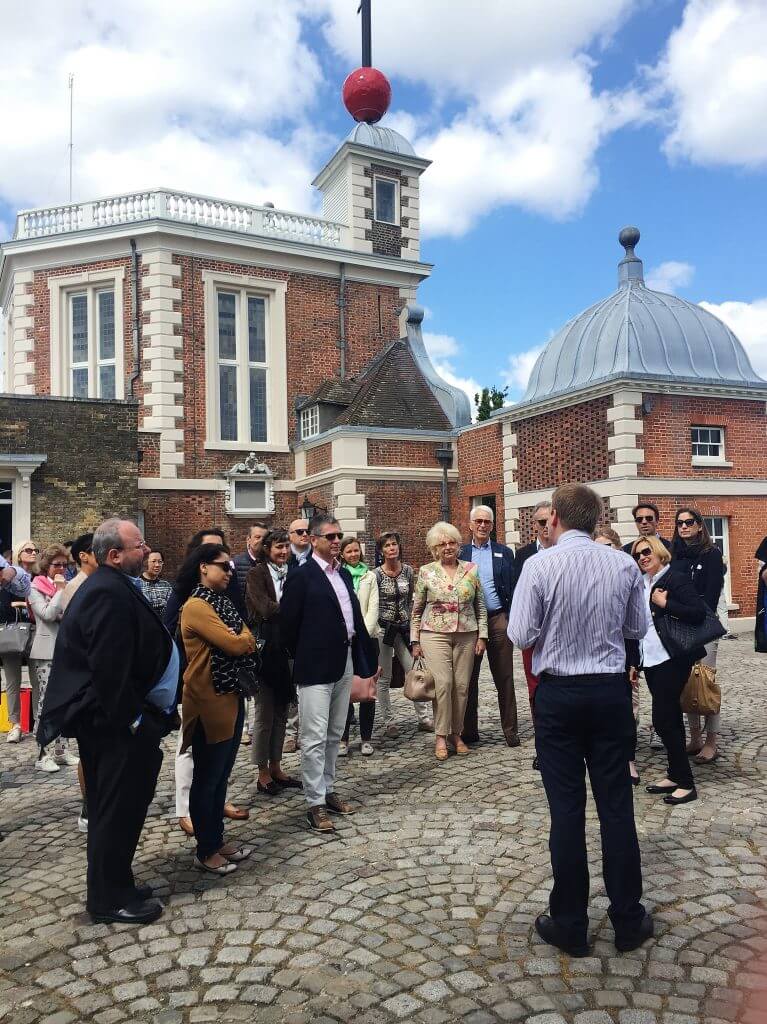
488, 401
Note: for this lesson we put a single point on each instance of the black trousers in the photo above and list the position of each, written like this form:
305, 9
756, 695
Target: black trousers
367, 719
666, 682
120, 771
585, 722
213, 763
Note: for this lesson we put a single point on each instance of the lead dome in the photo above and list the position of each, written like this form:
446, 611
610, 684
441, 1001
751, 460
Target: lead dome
642, 334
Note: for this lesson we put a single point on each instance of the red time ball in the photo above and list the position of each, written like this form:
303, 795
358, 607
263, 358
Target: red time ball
367, 94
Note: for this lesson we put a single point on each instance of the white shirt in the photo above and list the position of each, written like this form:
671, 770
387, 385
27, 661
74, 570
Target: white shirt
653, 651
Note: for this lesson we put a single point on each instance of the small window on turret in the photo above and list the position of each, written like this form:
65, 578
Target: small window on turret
386, 200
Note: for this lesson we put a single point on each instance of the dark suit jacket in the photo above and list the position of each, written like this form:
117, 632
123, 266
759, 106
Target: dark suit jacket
504, 571
314, 630
683, 602
525, 552
627, 547
242, 565
110, 651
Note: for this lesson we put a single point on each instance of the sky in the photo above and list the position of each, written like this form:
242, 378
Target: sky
551, 124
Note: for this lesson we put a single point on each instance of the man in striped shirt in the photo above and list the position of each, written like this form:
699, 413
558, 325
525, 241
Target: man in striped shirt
577, 602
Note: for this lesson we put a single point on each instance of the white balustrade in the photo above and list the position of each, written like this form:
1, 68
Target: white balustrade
184, 207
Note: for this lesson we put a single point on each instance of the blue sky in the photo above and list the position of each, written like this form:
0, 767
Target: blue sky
551, 123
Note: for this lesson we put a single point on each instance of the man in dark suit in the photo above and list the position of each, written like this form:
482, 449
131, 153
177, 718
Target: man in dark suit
646, 516
300, 543
323, 629
244, 563
113, 686
495, 563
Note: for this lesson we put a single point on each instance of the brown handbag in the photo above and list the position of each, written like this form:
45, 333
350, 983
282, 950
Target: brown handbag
419, 682
364, 689
701, 694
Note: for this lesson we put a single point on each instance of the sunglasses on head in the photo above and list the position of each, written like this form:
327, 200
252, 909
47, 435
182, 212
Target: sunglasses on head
644, 553
644, 519
686, 522
331, 536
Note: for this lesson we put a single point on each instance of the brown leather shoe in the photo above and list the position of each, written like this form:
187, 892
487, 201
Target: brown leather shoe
236, 813
186, 826
318, 819
337, 806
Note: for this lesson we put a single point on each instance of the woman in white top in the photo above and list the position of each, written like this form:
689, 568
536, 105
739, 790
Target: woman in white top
669, 593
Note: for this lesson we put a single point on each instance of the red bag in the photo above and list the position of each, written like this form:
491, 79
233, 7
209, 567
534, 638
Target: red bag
364, 689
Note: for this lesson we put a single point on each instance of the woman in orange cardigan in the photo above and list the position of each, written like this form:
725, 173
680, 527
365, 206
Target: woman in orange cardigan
218, 646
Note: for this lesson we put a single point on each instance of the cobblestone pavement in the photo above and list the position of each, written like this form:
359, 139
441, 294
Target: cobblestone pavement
421, 909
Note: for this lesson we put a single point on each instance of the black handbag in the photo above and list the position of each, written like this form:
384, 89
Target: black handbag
16, 637
682, 639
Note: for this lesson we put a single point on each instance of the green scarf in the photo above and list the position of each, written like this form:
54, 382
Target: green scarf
357, 571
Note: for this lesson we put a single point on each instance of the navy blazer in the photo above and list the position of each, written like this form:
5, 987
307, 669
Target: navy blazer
682, 602
314, 631
504, 571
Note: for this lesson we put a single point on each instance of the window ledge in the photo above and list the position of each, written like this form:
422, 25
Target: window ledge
698, 460
245, 447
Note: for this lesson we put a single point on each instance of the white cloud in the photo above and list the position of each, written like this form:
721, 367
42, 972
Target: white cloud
670, 276
715, 72
748, 320
519, 368
163, 95
440, 346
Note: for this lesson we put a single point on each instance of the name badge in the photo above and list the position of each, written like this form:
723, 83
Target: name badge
497, 554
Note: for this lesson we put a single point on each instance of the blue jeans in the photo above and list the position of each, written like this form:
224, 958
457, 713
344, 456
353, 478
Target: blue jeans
213, 764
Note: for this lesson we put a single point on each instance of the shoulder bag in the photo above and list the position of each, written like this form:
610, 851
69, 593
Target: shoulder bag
419, 682
681, 639
701, 694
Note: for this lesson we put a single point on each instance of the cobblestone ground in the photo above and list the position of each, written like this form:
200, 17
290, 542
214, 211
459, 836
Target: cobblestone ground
421, 908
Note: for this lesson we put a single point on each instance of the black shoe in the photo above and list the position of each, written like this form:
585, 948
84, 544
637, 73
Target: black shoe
288, 783
472, 737
271, 790
673, 800
536, 766
635, 780
143, 892
645, 932
551, 934
660, 790
140, 912
512, 741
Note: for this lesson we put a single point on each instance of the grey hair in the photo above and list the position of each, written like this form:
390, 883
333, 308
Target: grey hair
482, 508
438, 532
541, 504
107, 537
323, 519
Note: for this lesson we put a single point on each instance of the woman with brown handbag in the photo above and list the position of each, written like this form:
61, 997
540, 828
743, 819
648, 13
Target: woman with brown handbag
448, 627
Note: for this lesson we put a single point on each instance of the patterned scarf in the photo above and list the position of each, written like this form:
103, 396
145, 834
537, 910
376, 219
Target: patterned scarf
279, 574
225, 668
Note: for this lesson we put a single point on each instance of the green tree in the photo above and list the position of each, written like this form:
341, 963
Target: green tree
489, 400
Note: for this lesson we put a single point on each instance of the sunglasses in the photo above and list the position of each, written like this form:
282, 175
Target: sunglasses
644, 519
686, 522
225, 566
542, 522
331, 536
30, 551
483, 522
59, 565
300, 533
644, 553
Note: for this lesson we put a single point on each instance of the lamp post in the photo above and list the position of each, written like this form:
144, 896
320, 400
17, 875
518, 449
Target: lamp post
444, 457
309, 510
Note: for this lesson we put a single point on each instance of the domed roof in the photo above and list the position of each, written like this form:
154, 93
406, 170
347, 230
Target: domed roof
639, 333
376, 137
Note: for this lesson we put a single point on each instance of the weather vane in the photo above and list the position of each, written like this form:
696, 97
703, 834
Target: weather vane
366, 91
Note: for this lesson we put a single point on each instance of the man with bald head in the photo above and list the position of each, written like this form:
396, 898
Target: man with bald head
300, 543
113, 686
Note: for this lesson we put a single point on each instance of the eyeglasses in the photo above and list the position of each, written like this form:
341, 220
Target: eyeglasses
542, 522
483, 522
686, 522
300, 533
644, 553
331, 536
30, 551
224, 566
644, 519
59, 565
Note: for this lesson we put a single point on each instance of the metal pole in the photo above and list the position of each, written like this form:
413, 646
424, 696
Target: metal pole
445, 509
367, 35
71, 144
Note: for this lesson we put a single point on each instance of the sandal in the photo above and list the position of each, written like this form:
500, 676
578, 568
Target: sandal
222, 869
441, 753
706, 759
186, 826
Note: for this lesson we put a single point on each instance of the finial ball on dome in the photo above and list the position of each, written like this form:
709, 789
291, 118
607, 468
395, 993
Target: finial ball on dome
628, 238
367, 94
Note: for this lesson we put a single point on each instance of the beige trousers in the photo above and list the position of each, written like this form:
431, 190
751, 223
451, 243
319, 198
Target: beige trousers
450, 658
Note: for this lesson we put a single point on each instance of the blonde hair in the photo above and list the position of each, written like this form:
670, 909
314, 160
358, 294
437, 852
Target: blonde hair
438, 533
656, 546
17, 554
609, 534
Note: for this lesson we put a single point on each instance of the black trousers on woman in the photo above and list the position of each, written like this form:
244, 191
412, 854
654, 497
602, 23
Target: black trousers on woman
666, 682
213, 763
367, 718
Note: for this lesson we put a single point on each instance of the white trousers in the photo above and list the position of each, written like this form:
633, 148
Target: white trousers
385, 659
324, 707
184, 768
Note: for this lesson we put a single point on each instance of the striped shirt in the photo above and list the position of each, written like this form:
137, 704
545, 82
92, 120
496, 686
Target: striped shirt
576, 602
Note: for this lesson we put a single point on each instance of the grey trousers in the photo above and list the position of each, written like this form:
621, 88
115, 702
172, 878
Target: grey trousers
268, 729
324, 707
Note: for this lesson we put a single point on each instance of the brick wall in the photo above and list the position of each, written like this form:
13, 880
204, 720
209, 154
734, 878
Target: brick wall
480, 461
402, 453
667, 444
149, 446
563, 446
91, 472
319, 459
747, 520
410, 507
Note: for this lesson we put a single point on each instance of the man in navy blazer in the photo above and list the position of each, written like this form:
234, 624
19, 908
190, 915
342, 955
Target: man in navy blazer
323, 629
497, 572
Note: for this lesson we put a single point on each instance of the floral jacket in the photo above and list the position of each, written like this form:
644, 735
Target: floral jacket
442, 605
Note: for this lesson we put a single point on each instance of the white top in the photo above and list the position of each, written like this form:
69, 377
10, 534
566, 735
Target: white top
653, 651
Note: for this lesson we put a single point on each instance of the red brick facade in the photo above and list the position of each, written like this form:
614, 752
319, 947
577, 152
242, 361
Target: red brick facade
480, 464
566, 444
667, 444
408, 506
383, 452
319, 459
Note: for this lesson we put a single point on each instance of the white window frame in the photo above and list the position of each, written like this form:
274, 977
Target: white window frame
725, 552
309, 422
61, 290
708, 460
396, 183
273, 293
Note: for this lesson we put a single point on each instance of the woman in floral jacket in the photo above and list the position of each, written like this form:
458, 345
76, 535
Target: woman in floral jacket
448, 627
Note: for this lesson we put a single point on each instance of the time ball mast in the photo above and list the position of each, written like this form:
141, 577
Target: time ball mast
366, 92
